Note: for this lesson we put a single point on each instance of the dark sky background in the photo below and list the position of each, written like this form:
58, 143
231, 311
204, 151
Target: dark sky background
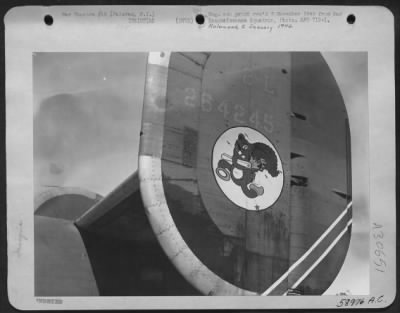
87, 118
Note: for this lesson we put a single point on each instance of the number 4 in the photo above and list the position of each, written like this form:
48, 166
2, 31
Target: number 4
254, 119
268, 123
223, 107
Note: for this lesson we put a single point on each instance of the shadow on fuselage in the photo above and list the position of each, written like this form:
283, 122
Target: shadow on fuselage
134, 264
121, 258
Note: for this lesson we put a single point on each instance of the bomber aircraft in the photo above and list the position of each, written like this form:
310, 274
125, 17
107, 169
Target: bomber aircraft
243, 187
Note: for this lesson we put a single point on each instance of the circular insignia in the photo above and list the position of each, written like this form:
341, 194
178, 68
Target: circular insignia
226, 201
247, 168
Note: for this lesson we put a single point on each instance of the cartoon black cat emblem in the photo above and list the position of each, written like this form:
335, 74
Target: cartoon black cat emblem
248, 159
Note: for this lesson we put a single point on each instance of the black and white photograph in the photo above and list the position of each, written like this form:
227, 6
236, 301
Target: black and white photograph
224, 173
158, 162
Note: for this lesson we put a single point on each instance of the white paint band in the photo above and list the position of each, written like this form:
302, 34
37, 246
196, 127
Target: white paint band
301, 259
322, 256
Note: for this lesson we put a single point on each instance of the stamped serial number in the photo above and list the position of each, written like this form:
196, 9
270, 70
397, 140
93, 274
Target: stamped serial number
236, 112
353, 302
49, 300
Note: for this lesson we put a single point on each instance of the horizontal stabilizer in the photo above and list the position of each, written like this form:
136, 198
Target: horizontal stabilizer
62, 202
119, 215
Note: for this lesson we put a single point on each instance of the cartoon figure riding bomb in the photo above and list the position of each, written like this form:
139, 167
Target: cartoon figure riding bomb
248, 159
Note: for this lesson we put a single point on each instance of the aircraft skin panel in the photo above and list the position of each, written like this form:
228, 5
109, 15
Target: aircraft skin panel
312, 283
62, 265
246, 100
117, 255
237, 90
99, 214
284, 230
171, 240
221, 239
153, 190
182, 113
298, 239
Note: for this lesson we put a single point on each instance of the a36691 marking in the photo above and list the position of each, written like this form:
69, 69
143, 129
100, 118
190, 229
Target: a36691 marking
379, 256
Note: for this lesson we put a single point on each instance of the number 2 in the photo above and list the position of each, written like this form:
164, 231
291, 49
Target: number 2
223, 107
